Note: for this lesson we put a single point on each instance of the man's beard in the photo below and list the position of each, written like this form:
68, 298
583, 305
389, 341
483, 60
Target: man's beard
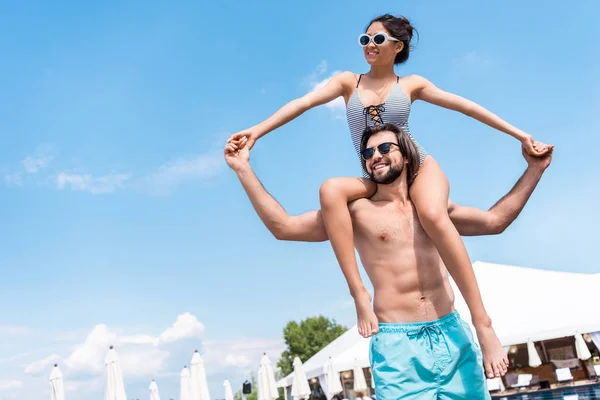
393, 173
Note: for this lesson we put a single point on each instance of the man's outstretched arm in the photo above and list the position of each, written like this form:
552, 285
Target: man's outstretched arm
471, 221
307, 227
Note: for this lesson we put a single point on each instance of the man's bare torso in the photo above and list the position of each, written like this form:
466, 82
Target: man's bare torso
409, 279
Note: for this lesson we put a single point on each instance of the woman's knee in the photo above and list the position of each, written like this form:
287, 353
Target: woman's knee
433, 215
332, 191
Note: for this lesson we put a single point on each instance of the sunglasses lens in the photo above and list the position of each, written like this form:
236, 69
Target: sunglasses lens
379, 39
384, 148
368, 153
364, 40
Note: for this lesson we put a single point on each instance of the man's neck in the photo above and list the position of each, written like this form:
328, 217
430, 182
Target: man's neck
396, 191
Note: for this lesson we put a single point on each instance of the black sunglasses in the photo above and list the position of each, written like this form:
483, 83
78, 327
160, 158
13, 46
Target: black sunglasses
383, 148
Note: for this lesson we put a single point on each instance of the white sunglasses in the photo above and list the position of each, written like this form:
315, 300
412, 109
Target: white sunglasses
378, 39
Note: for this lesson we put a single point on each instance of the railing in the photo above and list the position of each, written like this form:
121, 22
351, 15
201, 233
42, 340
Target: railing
563, 393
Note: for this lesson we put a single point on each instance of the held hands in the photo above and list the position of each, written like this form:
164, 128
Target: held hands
237, 154
534, 148
249, 136
542, 162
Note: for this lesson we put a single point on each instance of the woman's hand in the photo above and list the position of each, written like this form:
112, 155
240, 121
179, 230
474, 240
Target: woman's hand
534, 148
248, 135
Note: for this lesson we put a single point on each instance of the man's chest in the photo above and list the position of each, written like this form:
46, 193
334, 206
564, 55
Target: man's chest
385, 224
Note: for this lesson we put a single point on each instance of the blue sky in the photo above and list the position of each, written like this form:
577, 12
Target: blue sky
120, 222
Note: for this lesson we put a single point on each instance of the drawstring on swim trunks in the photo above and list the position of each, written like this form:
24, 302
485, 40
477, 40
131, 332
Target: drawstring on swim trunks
428, 330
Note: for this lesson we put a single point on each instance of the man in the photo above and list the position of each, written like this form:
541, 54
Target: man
423, 349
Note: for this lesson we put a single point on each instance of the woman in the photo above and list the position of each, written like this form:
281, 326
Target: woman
377, 97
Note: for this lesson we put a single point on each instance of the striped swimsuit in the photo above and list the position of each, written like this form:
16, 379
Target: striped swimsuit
395, 110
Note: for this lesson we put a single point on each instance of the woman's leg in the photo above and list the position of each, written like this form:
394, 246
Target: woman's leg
335, 194
429, 193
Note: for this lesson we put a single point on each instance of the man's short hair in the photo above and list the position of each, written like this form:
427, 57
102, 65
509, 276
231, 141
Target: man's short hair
405, 143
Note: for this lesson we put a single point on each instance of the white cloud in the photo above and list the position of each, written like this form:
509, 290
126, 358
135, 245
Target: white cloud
316, 81
40, 159
16, 357
13, 179
474, 59
89, 356
321, 68
139, 339
81, 386
42, 366
162, 179
9, 330
142, 360
240, 354
186, 326
71, 336
186, 168
101, 185
316, 74
336, 104
140, 355
144, 355
237, 361
8, 385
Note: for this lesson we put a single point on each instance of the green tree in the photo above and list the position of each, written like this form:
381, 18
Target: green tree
307, 338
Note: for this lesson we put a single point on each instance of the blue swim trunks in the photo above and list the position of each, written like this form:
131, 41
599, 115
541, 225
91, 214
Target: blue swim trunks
427, 360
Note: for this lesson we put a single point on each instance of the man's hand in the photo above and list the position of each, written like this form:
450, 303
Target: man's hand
533, 147
539, 162
237, 155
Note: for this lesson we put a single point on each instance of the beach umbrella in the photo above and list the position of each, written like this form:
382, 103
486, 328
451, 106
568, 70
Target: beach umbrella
534, 357
334, 385
228, 391
360, 383
198, 383
194, 382
184, 384
300, 387
267, 388
583, 353
154, 391
57, 389
115, 389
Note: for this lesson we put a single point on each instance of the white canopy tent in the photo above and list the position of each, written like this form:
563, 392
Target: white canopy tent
534, 304
524, 303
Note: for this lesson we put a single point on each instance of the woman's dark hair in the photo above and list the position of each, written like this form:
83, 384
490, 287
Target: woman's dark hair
399, 28
406, 145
